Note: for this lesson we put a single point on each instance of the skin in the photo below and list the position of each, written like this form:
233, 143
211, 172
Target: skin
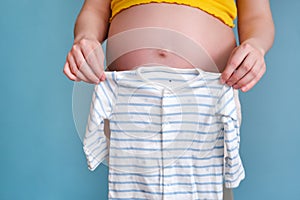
242, 66
246, 64
189, 22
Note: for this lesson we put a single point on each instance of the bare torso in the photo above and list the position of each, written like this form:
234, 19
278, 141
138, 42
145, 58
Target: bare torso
215, 37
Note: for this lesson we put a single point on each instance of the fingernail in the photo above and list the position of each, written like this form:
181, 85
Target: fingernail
102, 78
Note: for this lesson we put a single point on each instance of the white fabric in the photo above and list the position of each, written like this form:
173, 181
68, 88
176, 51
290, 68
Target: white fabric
174, 134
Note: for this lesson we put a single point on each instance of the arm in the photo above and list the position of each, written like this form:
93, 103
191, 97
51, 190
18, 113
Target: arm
246, 64
86, 57
92, 21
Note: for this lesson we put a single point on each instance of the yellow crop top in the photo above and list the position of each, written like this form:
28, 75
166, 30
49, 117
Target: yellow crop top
225, 10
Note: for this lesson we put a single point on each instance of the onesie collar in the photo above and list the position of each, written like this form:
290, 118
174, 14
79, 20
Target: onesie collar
141, 69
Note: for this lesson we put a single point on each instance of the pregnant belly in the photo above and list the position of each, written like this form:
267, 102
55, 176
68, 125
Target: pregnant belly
168, 34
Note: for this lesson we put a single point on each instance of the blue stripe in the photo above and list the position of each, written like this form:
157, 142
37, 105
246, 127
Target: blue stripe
233, 130
187, 104
97, 155
232, 149
96, 110
217, 164
170, 149
138, 104
237, 178
169, 166
164, 114
110, 88
168, 193
137, 113
188, 113
163, 184
192, 122
93, 122
139, 95
235, 172
170, 96
91, 118
196, 132
164, 106
106, 95
139, 87
232, 166
169, 131
113, 75
100, 102
228, 101
193, 95
220, 98
162, 123
136, 122
166, 176
233, 110
232, 140
92, 133
99, 128
133, 131
96, 141
208, 87
167, 158
171, 140
232, 158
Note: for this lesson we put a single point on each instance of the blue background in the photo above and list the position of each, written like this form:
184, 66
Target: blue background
41, 153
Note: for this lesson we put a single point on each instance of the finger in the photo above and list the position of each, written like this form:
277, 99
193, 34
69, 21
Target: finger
75, 70
258, 65
243, 69
94, 58
103, 77
86, 70
249, 82
254, 81
83, 66
84, 78
68, 72
72, 65
234, 61
248, 77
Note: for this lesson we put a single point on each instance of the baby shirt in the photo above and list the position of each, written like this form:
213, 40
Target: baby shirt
174, 134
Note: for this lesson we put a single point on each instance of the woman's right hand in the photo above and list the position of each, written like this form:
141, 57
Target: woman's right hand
85, 62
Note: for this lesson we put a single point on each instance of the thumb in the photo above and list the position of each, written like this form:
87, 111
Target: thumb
102, 78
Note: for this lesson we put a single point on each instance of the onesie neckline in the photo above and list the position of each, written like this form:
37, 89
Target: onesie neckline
141, 69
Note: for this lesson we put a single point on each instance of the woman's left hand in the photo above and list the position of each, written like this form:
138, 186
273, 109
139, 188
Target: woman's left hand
245, 67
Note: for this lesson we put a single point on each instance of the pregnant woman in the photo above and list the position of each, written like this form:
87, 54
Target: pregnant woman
208, 23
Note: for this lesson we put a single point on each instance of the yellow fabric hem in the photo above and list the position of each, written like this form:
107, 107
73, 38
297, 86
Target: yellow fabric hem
210, 10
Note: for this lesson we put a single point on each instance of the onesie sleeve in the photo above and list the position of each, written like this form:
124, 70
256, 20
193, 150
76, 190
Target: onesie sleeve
103, 100
226, 110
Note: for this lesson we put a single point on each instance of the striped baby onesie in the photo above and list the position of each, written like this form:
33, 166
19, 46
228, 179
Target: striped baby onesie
174, 134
